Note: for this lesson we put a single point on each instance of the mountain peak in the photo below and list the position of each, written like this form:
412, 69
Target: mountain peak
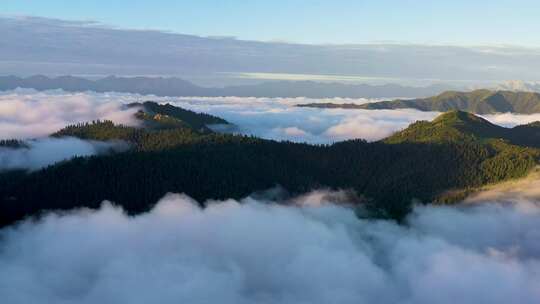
452, 126
458, 117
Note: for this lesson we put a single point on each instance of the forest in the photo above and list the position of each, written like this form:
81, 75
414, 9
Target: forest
174, 151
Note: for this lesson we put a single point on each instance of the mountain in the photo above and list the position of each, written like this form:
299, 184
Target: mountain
196, 121
140, 85
459, 126
312, 89
164, 126
455, 153
478, 102
160, 86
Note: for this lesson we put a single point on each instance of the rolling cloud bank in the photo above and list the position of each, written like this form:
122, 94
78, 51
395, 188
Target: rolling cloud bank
39, 153
25, 115
29, 114
313, 252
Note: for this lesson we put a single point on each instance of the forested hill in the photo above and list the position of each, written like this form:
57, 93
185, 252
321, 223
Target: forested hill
459, 126
163, 126
478, 102
196, 121
454, 153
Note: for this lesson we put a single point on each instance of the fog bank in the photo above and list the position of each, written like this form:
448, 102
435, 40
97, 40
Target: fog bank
262, 252
39, 153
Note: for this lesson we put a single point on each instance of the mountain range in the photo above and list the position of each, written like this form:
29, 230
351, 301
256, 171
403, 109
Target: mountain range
160, 86
438, 161
478, 102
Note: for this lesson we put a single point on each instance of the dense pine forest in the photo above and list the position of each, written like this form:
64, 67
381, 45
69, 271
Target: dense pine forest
174, 151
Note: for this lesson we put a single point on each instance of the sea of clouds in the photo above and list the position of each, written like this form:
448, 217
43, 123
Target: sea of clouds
29, 114
260, 251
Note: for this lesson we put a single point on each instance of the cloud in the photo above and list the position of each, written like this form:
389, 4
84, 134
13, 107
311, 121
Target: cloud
39, 153
511, 119
27, 114
261, 252
376, 125
278, 118
525, 189
50, 46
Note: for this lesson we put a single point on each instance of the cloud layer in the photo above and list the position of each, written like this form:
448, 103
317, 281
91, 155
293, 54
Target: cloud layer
261, 252
278, 118
38, 45
39, 153
27, 114
258, 250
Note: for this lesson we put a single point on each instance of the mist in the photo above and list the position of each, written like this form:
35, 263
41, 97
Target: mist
260, 251
39, 153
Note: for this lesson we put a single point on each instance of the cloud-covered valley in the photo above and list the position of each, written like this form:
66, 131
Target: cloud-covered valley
307, 249
258, 251
29, 114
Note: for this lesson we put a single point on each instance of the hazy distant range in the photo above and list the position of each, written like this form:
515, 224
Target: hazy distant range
160, 86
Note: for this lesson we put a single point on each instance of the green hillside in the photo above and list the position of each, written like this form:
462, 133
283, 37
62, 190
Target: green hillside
458, 126
169, 114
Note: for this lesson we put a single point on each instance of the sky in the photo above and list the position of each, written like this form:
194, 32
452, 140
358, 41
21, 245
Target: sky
457, 22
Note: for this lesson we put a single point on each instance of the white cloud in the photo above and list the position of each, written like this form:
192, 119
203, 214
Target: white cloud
280, 119
255, 252
50, 46
27, 114
276, 118
42, 152
258, 250
511, 119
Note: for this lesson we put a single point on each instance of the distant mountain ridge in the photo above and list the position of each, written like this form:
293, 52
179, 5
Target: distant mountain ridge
478, 102
173, 86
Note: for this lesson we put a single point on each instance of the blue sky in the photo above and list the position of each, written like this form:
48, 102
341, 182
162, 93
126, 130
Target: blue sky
458, 22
